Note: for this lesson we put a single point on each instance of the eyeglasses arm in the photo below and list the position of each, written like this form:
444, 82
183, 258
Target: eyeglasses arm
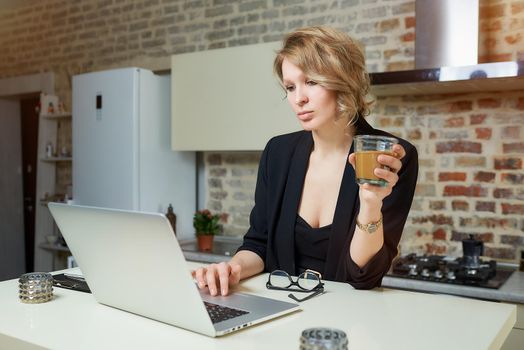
314, 294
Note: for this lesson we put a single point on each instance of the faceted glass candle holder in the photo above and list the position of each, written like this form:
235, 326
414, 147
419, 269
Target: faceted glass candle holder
323, 339
35, 287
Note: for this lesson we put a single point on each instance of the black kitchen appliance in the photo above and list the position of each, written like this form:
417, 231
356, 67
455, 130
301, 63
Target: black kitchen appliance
467, 270
472, 249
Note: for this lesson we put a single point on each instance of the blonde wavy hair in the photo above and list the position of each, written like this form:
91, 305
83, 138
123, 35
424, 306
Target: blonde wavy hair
333, 60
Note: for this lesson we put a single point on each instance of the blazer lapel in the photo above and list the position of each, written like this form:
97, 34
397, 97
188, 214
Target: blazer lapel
345, 212
342, 222
285, 233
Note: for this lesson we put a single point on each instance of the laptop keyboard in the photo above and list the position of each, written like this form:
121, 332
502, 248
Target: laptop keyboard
219, 313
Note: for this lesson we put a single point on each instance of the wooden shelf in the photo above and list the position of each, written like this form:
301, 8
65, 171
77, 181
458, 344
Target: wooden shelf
56, 159
46, 202
56, 116
54, 247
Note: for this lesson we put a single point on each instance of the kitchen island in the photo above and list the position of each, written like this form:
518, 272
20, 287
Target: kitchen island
375, 319
512, 291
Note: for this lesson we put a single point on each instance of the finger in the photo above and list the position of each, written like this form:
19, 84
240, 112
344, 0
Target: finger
234, 277
211, 280
399, 151
389, 176
199, 276
223, 276
394, 164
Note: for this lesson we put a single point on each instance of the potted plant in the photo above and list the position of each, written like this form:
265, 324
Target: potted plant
206, 227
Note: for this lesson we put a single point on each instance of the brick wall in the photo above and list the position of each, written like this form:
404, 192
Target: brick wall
471, 156
471, 177
501, 25
471, 173
231, 179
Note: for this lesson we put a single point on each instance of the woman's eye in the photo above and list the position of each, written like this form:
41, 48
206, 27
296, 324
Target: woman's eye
311, 83
290, 88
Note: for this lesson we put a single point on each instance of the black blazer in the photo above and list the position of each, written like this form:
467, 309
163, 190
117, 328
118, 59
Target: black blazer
281, 175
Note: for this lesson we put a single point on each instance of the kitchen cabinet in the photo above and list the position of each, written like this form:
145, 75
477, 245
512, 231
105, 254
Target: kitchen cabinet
515, 339
511, 292
228, 99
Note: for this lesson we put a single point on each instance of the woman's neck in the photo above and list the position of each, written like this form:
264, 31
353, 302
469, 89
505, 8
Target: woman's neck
333, 139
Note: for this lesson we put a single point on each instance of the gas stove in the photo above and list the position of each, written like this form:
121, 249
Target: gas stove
437, 268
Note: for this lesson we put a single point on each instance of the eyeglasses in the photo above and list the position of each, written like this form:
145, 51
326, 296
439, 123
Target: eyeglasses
308, 281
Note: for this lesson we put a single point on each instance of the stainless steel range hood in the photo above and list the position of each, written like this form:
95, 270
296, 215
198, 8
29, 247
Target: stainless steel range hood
447, 33
446, 55
498, 76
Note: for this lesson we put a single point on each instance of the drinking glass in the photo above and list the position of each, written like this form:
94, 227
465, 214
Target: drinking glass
367, 149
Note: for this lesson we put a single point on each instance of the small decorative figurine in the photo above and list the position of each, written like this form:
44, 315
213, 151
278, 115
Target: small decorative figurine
171, 217
61, 108
49, 150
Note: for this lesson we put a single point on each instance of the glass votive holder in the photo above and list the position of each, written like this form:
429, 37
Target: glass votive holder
323, 339
35, 287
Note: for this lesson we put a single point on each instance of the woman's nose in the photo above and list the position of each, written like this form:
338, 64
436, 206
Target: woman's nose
301, 98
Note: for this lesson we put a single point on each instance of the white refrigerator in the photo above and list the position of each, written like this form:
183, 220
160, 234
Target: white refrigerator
122, 155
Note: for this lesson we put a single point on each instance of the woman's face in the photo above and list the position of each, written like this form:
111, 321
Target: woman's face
314, 105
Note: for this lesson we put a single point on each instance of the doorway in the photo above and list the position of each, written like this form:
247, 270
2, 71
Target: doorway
12, 251
13, 243
29, 110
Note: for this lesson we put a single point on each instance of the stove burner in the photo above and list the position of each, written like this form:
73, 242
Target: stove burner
437, 268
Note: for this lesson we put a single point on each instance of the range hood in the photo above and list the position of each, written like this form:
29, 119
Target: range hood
497, 76
446, 55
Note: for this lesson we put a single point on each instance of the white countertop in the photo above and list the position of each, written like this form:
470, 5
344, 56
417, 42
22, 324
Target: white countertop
511, 291
376, 319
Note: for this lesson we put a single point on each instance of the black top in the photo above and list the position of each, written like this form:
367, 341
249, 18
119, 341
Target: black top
281, 175
311, 246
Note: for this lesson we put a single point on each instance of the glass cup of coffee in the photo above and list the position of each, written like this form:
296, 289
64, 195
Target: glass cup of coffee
367, 149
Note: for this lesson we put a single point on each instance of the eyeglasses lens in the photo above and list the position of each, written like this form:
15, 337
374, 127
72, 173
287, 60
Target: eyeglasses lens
308, 280
280, 279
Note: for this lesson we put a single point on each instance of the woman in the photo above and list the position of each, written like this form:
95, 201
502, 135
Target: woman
309, 212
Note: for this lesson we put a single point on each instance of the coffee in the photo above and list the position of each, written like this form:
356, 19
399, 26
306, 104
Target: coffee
365, 164
367, 149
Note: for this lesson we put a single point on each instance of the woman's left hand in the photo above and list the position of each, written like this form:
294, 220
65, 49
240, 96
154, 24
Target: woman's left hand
374, 194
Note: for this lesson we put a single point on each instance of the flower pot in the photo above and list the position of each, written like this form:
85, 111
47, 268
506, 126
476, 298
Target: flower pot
205, 243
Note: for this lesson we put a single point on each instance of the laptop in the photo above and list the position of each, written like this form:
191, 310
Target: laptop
132, 261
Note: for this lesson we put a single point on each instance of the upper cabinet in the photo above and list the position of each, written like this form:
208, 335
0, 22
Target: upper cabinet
228, 99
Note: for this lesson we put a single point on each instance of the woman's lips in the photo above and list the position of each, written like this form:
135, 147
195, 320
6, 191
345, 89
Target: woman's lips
306, 115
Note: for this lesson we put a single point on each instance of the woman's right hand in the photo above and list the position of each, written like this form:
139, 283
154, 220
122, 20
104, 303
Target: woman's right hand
218, 277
